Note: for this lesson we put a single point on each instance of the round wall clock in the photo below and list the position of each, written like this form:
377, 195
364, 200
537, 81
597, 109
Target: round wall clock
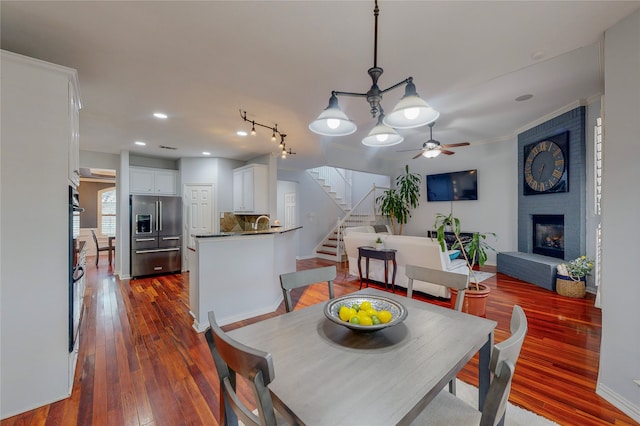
544, 168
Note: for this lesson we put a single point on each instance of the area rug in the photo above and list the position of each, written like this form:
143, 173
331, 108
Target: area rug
515, 416
480, 276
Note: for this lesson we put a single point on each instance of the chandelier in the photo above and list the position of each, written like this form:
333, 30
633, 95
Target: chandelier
411, 111
274, 131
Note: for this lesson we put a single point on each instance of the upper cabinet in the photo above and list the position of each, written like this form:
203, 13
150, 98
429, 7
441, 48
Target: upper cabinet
144, 180
250, 189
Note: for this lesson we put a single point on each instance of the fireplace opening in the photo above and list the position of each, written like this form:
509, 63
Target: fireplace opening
548, 235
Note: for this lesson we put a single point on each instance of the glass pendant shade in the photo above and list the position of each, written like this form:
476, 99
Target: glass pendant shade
332, 121
412, 111
382, 135
432, 153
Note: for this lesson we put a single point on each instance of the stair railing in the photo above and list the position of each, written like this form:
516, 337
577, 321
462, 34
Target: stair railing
362, 214
339, 180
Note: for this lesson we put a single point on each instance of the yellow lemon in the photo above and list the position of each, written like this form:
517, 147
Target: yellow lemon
384, 316
366, 321
344, 313
372, 312
365, 305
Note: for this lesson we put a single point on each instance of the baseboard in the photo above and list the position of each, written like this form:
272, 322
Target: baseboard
624, 405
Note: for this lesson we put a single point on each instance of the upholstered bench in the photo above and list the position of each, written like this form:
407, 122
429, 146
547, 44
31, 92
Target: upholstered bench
533, 268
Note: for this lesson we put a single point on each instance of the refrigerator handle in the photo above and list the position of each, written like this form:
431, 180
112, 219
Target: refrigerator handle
160, 216
157, 216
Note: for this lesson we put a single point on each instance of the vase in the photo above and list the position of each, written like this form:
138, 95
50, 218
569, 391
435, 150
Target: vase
379, 246
475, 301
571, 287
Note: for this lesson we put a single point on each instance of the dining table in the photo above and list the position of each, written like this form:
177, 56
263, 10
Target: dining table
328, 374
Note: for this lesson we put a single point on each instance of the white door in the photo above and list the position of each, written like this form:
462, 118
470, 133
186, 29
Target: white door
199, 206
289, 209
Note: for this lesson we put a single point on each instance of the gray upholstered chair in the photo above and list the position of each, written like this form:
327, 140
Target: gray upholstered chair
447, 409
232, 357
447, 279
304, 278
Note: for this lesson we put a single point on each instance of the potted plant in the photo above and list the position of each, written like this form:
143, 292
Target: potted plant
571, 277
474, 250
379, 245
397, 203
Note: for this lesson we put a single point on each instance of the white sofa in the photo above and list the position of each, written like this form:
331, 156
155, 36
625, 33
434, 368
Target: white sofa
419, 251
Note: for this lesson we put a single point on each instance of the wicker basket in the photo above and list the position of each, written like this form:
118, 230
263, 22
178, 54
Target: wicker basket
567, 286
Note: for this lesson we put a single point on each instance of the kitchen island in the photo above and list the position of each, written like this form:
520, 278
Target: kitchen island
237, 274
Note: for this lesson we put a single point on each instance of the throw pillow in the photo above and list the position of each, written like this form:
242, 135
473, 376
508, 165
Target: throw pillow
453, 254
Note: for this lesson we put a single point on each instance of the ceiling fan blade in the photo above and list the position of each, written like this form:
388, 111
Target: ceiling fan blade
417, 156
409, 150
453, 145
444, 151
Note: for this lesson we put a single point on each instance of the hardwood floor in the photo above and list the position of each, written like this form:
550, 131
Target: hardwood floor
141, 363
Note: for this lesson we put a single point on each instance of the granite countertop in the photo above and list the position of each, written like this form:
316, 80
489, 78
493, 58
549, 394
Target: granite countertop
275, 230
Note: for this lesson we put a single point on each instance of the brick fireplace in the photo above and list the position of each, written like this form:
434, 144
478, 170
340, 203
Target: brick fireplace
537, 257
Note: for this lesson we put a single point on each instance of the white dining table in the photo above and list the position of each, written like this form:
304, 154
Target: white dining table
327, 374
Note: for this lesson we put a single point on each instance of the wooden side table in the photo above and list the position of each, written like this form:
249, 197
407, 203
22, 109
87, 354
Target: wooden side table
385, 255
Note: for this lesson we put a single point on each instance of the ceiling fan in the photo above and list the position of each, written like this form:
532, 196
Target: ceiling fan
432, 148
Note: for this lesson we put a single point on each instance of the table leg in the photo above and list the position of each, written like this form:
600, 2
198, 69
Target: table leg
484, 374
367, 266
360, 269
386, 274
393, 279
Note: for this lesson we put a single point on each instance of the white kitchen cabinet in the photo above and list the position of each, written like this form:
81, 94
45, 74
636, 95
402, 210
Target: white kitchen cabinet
250, 189
145, 180
37, 367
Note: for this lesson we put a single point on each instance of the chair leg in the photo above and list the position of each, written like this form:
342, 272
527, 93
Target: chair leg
97, 258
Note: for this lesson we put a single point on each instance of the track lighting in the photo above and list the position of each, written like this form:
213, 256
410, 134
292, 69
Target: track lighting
411, 111
274, 131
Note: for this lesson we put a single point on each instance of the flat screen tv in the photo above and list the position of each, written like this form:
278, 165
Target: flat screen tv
454, 186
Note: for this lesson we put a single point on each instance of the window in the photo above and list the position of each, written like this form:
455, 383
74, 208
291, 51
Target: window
107, 211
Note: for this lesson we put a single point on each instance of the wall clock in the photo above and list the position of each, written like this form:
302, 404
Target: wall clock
545, 167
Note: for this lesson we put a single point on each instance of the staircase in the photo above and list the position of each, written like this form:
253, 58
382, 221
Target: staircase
336, 183
363, 213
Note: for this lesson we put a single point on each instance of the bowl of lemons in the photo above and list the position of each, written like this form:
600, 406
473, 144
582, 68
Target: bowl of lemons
365, 313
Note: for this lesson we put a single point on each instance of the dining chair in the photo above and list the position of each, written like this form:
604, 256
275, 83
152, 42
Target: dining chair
451, 280
446, 279
447, 409
232, 357
509, 349
304, 278
108, 249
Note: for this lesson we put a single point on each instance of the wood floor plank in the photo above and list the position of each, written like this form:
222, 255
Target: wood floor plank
142, 363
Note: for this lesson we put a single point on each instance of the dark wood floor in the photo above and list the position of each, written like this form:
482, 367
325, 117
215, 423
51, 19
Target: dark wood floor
141, 363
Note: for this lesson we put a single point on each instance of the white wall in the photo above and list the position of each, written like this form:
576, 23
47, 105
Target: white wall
497, 204
620, 346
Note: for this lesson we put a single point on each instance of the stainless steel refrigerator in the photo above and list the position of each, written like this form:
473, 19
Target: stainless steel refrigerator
156, 235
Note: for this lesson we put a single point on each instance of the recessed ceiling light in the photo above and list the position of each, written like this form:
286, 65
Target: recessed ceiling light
206, 153
160, 115
241, 133
524, 97
140, 143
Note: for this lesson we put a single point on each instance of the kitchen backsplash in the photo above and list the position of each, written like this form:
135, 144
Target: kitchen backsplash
240, 222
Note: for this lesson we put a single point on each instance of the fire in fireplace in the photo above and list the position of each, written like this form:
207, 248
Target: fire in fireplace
548, 235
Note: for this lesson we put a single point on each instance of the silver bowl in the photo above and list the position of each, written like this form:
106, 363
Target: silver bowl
398, 311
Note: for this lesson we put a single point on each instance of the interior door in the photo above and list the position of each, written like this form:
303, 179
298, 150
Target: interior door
198, 200
289, 209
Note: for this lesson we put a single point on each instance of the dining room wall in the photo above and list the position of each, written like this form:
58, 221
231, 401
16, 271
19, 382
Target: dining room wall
89, 201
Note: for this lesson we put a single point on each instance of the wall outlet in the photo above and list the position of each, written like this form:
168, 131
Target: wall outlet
221, 215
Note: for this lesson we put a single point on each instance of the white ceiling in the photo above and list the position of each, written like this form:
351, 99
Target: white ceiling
202, 62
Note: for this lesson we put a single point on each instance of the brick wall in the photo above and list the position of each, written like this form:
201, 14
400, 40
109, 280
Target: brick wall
571, 204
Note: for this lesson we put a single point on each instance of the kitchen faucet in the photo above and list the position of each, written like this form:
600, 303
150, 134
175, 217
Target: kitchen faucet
255, 224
